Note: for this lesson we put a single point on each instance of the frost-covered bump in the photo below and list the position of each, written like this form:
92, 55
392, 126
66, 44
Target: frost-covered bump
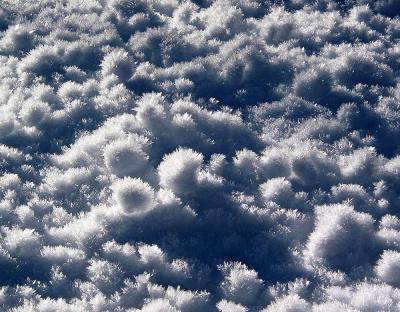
154, 259
290, 303
332, 306
278, 26
124, 158
364, 296
33, 112
240, 283
151, 112
390, 222
312, 167
393, 166
313, 84
342, 238
359, 165
22, 242
16, 39
229, 17
9, 155
278, 190
359, 198
125, 255
388, 267
361, 66
65, 182
118, 63
274, 163
9, 181
133, 196
7, 123
246, 164
157, 305
68, 258
152, 255
42, 60
188, 301
179, 170
229, 306
105, 275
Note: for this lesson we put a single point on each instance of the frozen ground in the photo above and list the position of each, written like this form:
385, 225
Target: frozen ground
227, 155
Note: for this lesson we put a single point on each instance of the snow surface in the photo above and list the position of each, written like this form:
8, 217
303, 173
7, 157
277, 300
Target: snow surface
212, 155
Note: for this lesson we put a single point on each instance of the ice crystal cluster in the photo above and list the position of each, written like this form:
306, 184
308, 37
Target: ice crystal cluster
204, 155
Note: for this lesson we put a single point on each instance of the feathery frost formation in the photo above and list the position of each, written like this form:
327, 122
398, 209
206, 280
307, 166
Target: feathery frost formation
212, 155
